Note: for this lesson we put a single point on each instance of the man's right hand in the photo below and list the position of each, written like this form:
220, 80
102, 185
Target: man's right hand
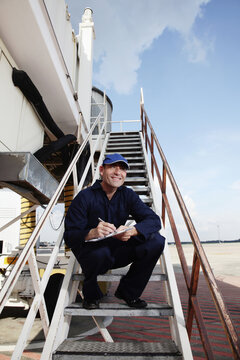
103, 229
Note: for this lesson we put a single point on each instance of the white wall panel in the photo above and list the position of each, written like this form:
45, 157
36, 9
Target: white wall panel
60, 19
20, 127
31, 134
10, 207
10, 106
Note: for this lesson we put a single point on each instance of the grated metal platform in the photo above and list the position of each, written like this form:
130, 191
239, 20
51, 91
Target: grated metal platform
122, 350
112, 309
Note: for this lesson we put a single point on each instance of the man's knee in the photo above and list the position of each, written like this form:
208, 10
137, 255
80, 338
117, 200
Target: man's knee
153, 246
157, 241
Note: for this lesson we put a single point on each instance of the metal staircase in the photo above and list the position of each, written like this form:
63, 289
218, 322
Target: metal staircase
141, 148
130, 145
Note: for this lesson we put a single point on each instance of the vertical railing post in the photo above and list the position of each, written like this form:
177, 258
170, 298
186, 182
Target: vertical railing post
141, 110
152, 153
146, 134
79, 129
75, 180
164, 180
105, 116
192, 292
141, 118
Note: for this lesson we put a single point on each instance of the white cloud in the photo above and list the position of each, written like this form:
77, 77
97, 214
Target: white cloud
125, 29
196, 49
236, 185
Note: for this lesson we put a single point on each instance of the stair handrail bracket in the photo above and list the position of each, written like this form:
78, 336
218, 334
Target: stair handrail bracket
199, 258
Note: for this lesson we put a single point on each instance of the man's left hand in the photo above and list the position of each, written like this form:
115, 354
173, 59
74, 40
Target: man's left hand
125, 236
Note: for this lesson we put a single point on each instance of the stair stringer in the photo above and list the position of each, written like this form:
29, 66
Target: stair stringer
177, 322
59, 328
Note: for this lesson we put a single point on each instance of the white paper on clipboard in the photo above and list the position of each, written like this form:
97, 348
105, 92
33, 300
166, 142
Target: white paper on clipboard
110, 235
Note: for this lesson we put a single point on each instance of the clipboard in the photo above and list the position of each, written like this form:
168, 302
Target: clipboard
109, 235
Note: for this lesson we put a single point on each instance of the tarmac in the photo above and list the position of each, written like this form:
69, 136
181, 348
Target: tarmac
223, 259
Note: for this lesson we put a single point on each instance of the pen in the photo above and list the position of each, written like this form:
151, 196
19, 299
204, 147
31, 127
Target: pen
100, 219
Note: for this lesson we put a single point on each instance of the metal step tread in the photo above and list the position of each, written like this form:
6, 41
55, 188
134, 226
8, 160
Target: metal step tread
118, 142
136, 181
140, 177
124, 133
137, 350
133, 171
123, 140
136, 174
125, 143
120, 309
127, 153
137, 164
121, 149
140, 189
132, 160
128, 150
116, 275
147, 201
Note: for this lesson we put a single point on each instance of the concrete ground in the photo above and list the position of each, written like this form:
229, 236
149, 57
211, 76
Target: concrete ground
223, 259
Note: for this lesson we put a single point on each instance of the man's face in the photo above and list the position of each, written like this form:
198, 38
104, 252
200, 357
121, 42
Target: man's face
113, 175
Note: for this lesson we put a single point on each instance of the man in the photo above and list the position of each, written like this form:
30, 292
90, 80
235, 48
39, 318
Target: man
100, 210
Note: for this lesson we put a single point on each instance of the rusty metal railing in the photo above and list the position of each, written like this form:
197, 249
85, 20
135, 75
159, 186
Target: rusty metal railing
199, 256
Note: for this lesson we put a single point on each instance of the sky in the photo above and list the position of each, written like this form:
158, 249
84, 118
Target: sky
185, 55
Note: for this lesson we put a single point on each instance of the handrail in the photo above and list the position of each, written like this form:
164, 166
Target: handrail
20, 263
199, 258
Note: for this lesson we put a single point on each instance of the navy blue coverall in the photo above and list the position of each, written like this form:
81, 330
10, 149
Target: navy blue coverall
142, 251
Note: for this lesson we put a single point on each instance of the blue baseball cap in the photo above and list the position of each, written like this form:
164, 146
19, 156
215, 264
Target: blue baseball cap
114, 158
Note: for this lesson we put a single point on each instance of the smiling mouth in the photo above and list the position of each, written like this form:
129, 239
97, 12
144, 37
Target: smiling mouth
116, 178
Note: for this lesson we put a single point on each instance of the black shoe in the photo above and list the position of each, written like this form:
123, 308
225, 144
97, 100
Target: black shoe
90, 304
135, 303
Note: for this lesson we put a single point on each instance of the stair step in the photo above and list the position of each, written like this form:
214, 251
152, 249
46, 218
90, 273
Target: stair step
127, 153
121, 149
117, 309
147, 201
138, 165
89, 350
136, 181
124, 133
128, 142
134, 159
124, 141
140, 190
136, 173
117, 274
124, 145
